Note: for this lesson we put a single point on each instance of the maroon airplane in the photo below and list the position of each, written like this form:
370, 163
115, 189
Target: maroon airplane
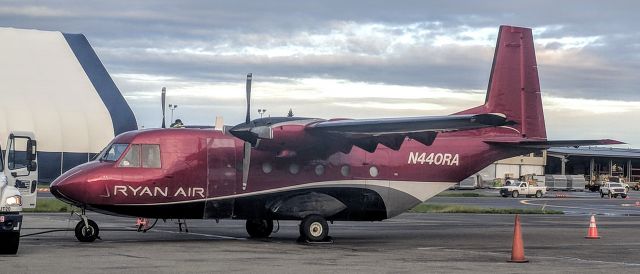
315, 170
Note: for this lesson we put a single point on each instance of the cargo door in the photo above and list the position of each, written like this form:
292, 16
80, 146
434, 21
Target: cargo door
22, 167
221, 177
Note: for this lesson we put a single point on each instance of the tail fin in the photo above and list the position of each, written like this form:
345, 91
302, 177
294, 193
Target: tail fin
514, 88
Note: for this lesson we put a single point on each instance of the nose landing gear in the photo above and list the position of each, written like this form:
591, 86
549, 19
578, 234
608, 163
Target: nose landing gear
86, 230
258, 228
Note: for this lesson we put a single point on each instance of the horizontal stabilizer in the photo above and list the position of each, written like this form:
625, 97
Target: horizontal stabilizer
543, 144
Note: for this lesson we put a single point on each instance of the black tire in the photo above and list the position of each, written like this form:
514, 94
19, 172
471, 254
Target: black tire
538, 194
258, 228
515, 194
10, 243
623, 196
314, 228
87, 234
505, 195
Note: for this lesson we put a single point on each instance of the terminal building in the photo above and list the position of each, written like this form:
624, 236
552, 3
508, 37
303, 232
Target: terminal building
585, 164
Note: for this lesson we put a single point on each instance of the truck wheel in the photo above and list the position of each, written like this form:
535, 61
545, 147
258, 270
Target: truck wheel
538, 194
504, 195
10, 243
87, 234
623, 196
515, 194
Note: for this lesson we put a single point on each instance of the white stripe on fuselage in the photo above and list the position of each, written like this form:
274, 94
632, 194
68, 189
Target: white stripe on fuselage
420, 190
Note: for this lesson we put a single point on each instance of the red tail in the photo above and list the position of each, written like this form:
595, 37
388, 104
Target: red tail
514, 88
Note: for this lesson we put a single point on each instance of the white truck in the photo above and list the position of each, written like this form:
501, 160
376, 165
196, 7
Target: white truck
18, 187
613, 189
515, 188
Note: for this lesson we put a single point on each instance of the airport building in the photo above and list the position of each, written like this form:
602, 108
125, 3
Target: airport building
55, 86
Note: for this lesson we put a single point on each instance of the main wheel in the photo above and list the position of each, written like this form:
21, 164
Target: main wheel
10, 243
258, 228
314, 228
85, 233
515, 194
538, 194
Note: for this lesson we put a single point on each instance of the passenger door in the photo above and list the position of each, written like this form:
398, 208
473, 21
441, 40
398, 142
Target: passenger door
221, 177
22, 166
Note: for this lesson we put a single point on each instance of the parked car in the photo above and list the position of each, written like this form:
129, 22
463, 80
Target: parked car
612, 189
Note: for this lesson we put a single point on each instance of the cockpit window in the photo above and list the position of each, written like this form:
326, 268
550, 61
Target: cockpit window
151, 156
114, 152
132, 158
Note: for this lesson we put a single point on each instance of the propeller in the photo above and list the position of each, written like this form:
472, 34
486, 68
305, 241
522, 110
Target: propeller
164, 95
246, 160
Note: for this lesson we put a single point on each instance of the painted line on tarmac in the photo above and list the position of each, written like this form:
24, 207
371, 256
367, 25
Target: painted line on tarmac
201, 234
506, 254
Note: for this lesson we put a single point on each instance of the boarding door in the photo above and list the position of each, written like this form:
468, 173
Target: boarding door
376, 182
221, 178
21, 164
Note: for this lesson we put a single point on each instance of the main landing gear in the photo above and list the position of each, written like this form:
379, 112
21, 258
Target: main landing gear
86, 230
258, 228
314, 228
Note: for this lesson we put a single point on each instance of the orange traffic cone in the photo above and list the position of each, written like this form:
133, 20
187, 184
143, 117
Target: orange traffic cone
592, 233
517, 249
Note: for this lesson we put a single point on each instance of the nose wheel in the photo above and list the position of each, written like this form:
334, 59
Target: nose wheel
87, 230
314, 228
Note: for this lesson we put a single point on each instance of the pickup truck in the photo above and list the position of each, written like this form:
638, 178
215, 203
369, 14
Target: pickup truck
613, 189
515, 188
18, 187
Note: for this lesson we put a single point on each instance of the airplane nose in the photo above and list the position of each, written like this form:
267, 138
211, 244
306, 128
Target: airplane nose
69, 188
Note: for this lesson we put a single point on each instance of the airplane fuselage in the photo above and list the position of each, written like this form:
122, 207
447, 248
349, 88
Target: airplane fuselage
200, 177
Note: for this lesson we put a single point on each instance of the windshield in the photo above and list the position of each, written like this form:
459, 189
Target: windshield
114, 152
615, 185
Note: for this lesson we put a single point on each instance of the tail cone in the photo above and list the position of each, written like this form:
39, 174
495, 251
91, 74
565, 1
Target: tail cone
592, 233
517, 250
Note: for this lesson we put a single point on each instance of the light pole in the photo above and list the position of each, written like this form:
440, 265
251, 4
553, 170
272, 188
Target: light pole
172, 107
261, 112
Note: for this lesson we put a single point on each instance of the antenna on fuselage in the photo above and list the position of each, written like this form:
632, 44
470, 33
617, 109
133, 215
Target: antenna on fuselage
163, 99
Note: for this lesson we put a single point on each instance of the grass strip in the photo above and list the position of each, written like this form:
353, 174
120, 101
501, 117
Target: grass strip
50, 205
445, 208
460, 194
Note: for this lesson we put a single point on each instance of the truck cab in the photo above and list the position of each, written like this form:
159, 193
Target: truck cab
18, 187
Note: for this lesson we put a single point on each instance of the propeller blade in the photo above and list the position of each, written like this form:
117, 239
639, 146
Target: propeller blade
246, 162
164, 96
248, 119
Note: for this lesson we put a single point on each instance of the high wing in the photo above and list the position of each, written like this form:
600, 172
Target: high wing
544, 144
298, 134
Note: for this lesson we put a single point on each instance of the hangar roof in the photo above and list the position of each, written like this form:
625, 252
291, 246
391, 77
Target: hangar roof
598, 152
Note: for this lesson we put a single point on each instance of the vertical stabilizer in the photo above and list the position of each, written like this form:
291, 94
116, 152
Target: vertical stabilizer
514, 88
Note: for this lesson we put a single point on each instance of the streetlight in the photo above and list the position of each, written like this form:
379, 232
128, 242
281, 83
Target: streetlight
261, 112
172, 107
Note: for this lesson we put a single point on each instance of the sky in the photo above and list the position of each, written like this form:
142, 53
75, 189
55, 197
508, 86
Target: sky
358, 59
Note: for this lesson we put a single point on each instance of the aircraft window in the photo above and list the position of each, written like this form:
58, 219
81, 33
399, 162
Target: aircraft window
151, 156
132, 158
345, 170
267, 168
294, 168
114, 152
373, 171
319, 170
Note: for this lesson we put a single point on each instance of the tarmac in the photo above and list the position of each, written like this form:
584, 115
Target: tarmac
409, 243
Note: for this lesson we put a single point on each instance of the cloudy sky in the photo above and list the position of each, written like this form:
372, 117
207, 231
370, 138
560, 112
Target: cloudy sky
355, 58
